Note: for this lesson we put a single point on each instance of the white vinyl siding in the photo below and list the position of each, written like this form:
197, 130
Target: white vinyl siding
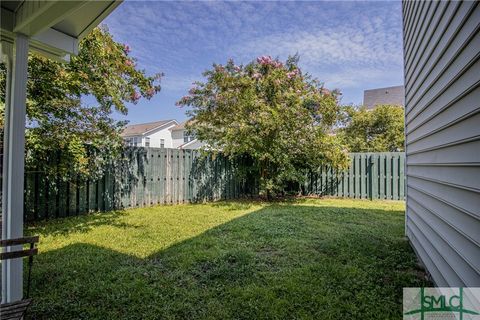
161, 134
442, 126
177, 138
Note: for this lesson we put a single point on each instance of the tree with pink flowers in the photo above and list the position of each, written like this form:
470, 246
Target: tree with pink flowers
271, 112
58, 120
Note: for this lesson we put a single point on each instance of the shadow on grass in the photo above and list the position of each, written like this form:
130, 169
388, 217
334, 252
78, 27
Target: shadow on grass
75, 224
280, 262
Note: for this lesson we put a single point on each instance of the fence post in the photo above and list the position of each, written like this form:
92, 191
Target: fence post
372, 177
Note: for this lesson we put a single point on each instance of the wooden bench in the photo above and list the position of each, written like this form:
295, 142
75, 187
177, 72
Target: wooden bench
17, 309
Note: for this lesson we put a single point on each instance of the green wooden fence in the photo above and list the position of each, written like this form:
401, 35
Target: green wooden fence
378, 175
151, 176
142, 177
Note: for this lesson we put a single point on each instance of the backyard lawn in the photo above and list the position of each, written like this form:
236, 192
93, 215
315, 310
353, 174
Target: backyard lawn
308, 259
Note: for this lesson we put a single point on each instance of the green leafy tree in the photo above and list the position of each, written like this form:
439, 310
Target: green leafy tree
270, 112
377, 130
58, 121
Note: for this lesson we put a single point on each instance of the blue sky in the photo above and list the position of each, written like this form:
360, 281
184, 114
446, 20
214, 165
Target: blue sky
351, 46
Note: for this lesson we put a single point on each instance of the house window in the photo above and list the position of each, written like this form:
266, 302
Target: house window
136, 141
162, 143
187, 137
128, 141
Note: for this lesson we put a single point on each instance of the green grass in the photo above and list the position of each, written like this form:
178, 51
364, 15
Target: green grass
307, 259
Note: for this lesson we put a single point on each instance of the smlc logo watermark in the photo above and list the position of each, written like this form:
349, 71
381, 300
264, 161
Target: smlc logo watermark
441, 303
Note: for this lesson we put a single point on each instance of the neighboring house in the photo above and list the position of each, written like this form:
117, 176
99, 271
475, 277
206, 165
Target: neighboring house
182, 139
389, 95
153, 134
160, 134
442, 144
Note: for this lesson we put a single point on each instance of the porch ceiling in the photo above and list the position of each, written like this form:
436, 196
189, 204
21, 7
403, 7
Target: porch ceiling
54, 27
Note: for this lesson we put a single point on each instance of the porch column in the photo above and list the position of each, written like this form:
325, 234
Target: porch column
16, 58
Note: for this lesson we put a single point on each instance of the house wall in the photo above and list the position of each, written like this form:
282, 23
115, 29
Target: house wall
442, 77
177, 138
163, 133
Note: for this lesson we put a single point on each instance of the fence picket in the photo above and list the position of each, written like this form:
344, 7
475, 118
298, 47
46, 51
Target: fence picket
402, 177
363, 176
387, 178
382, 177
395, 174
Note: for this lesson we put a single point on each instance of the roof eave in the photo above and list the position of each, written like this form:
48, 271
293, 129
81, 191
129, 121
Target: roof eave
150, 130
187, 143
163, 125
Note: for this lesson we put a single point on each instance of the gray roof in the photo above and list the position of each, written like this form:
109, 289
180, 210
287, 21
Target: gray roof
141, 128
181, 126
388, 95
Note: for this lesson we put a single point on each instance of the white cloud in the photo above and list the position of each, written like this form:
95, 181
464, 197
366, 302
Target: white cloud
360, 77
328, 47
178, 82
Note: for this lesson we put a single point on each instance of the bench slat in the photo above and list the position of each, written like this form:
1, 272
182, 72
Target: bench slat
16, 316
6, 306
14, 310
18, 254
18, 241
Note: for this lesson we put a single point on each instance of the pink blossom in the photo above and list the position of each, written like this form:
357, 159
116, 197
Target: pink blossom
150, 92
267, 60
292, 74
277, 64
256, 75
237, 69
264, 60
135, 96
129, 63
192, 90
126, 48
183, 100
325, 91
